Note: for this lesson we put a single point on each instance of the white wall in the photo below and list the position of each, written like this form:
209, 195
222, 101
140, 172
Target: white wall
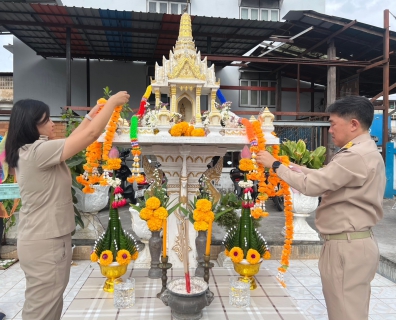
45, 79
216, 8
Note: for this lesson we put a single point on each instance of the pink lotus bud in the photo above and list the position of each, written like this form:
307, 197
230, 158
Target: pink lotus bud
245, 153
113, 154
114, 205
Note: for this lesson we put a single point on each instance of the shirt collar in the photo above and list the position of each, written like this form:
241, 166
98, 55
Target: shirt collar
362, 138
43, 137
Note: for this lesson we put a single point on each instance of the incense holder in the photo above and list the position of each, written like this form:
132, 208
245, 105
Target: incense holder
187, 305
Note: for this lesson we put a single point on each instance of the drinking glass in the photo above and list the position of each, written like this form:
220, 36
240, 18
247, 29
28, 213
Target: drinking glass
239, 293
124, 294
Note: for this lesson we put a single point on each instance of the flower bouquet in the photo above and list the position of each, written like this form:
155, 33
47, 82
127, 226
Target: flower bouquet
154, 210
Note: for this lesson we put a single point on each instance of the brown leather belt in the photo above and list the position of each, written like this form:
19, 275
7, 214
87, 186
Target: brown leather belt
348, 235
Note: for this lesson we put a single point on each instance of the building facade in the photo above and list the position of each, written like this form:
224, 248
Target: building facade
45, 79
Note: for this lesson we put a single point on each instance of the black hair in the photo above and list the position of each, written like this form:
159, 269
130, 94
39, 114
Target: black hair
354, 107
26, 115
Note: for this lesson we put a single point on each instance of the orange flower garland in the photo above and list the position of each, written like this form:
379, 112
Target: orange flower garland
97, 151
270, 188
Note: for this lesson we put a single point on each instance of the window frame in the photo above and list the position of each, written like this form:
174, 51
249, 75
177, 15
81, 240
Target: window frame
269, 10
268, 83
168, 6
249, 13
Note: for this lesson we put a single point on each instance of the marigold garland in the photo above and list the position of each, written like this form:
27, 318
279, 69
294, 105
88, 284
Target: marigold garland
273, 186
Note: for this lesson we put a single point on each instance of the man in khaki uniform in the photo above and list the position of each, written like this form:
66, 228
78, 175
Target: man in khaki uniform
352, 186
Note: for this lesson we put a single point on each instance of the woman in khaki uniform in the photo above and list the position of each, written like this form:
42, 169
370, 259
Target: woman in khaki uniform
352, 187
47, 215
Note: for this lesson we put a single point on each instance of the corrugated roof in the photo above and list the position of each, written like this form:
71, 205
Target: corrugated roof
124, 35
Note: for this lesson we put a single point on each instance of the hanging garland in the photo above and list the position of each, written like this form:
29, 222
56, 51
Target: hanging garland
268, 187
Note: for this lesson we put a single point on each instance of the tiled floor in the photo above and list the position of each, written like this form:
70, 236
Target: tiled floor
83, 298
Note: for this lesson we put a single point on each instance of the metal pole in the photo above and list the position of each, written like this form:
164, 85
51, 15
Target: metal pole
68, 67
298, 90
209, 48
88, 83
385, 133
312, 96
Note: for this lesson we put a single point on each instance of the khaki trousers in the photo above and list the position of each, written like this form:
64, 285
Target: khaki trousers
347, 268
46, 264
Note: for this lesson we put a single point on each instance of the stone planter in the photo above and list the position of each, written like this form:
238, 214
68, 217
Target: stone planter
303, 206
187, 305
200, 244
155, 246
140, 228
92, 202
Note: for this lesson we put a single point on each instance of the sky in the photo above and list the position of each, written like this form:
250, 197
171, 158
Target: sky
366, 11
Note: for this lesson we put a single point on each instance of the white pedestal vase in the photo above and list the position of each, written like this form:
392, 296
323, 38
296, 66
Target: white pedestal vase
303, 206
89, 204
141, 230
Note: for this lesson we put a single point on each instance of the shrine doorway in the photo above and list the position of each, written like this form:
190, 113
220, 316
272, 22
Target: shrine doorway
185, 108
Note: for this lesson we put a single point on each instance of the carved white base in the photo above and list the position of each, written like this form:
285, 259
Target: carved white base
92, 227
224, 261
163, 131
214, 131
139, 226
144, 259
92, 202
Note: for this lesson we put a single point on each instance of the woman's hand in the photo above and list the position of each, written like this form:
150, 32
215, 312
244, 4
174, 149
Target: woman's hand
265, 158
119, 99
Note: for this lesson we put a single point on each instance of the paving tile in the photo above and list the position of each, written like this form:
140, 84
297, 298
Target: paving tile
299, 292
312, 307
377, 306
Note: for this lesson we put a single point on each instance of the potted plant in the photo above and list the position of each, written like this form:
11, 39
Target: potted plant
303, 205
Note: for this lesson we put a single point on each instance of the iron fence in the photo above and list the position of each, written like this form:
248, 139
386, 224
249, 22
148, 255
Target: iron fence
312, 135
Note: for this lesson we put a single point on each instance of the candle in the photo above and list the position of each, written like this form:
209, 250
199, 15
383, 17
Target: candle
164, 238
209, 239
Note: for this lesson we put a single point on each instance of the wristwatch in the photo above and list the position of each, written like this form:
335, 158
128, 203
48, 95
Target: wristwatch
276, 165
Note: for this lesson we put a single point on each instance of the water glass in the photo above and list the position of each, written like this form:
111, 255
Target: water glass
239, 293
124, 294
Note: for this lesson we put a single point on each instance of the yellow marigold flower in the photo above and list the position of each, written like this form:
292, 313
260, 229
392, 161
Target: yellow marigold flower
198, 215
246, 164
135, 255
146, 214
253, 256
106, 258
101, 101
227, 253
204, 205
201, 226
267, 255
199, 132
94, 257
154, 224
209, 216
153, 203
176, 131
236, 254
123, 257
161, 213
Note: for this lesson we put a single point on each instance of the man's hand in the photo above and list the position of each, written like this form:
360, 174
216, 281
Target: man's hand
265, 158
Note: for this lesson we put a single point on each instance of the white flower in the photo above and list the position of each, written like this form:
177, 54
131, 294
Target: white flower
247, 184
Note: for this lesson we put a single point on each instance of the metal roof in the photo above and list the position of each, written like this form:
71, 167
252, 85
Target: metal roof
124, 35
356, 44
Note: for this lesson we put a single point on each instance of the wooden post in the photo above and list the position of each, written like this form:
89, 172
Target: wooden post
331, 93
278, 94
312, 96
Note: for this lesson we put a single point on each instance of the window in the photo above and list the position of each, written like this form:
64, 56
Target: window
267, 98
255, 98
158, 6
269, 15
166, 7
250, 13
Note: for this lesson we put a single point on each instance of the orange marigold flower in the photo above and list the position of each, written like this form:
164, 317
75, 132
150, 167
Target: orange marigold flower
154, 224
267, 255
226, 252
94, 257
246, 164
153, 203
201, 225
161, 213
203, 205
253, 257
199, 132
236, 254
209, 217
123, 257
198, 215
146, 214
106, 258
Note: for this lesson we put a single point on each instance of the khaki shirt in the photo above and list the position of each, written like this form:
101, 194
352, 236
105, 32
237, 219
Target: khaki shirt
352, 187
45, 185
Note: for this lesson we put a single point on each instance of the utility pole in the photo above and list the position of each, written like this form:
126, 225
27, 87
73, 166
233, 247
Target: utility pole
385, 83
